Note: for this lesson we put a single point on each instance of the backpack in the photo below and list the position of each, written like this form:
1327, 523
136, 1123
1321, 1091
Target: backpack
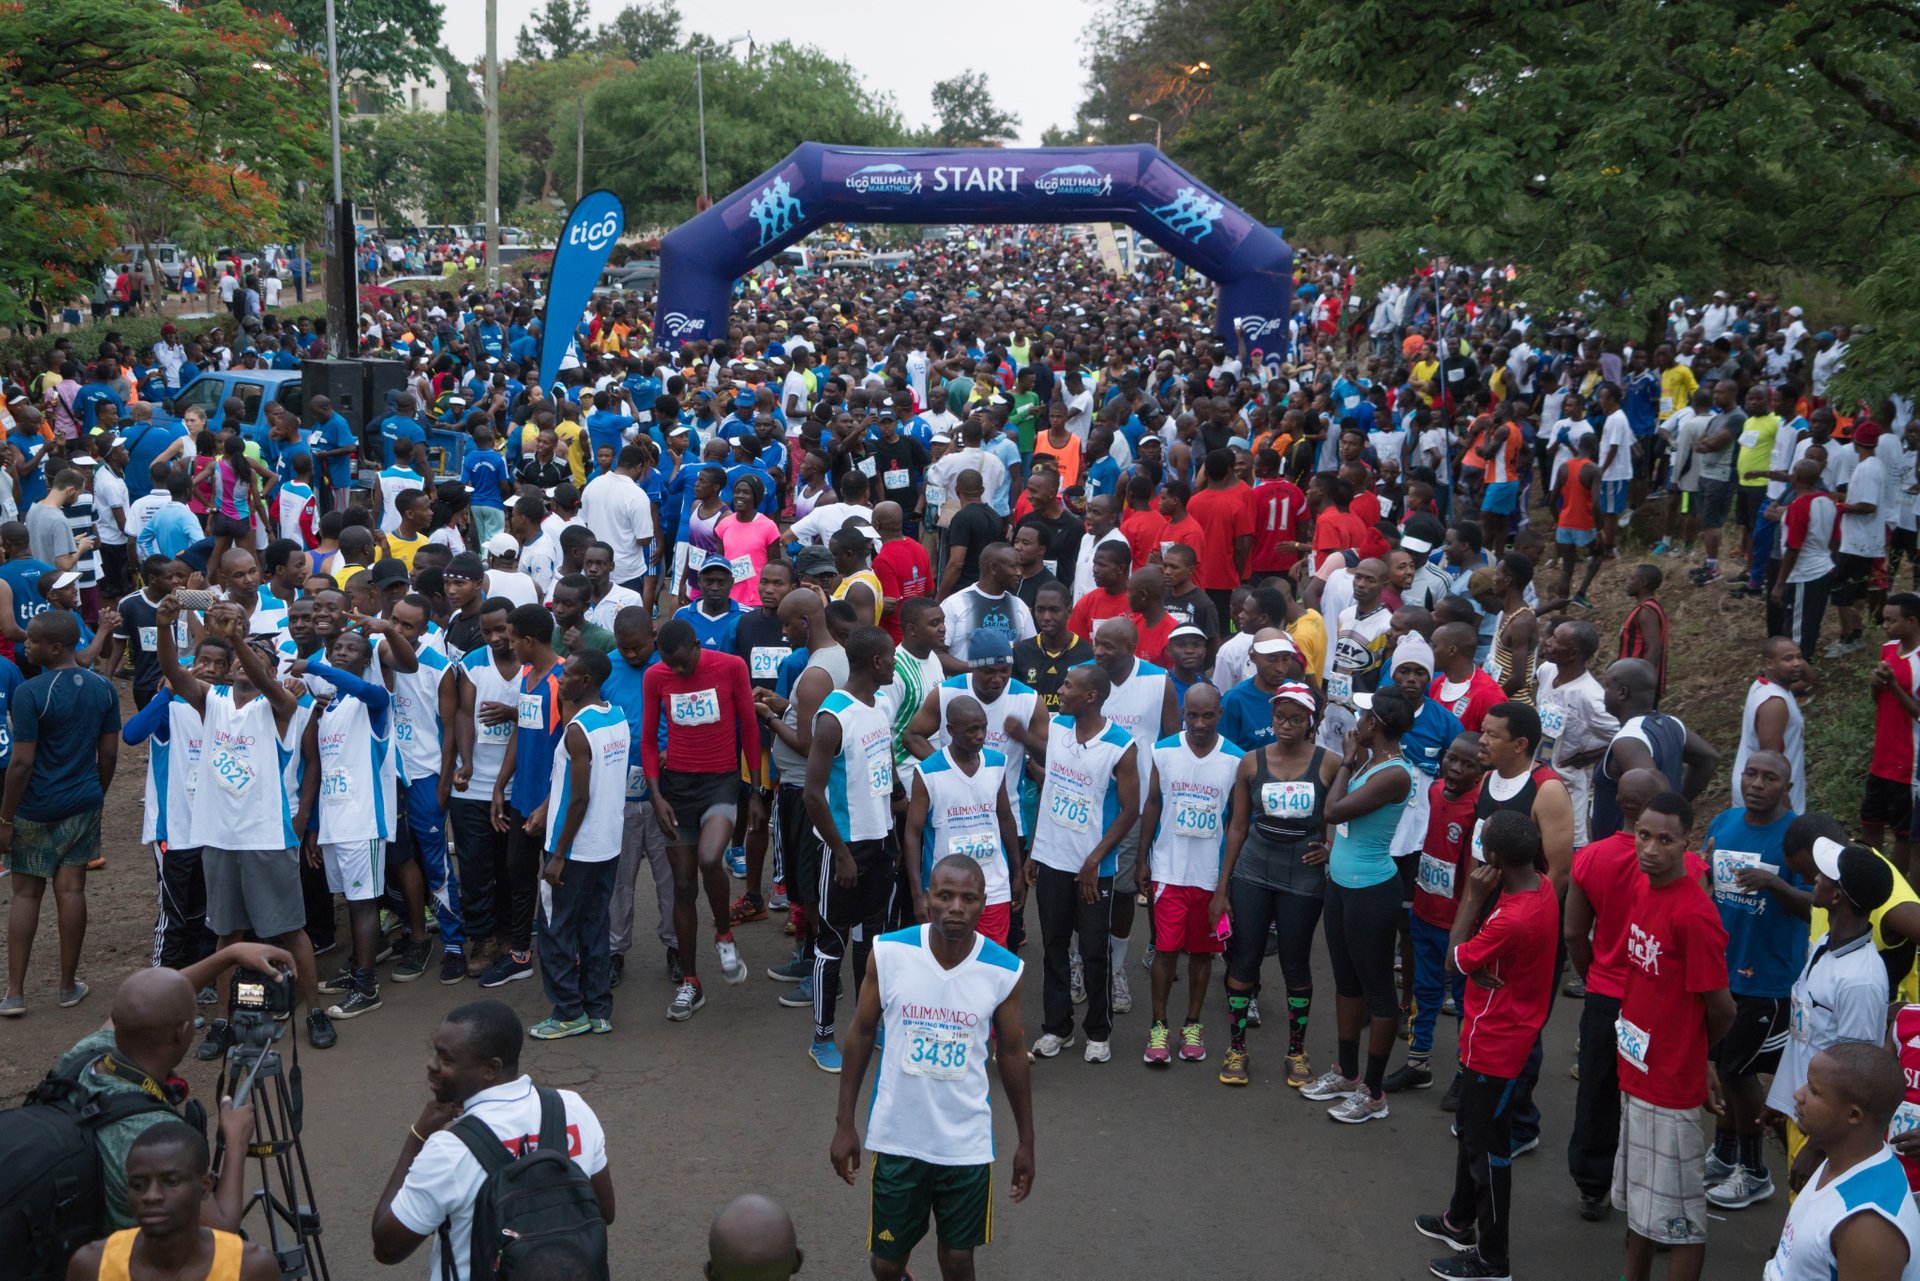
526, 1201
52, 1193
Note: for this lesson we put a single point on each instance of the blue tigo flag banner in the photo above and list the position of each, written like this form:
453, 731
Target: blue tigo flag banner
586, 240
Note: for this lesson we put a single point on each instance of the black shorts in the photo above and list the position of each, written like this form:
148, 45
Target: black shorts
1849, 578
1716, 500
1887, 801
697, 797
865, 903
1753, 1042
799, 846
221, 525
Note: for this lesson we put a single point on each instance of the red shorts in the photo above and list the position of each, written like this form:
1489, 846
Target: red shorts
1182, 921
995, 920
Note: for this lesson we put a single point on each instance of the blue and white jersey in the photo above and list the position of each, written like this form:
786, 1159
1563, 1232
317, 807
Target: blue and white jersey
930, 1099
1135, 706
416, 706
860, 790
395, 481
1195, 795
609, 741
357, 773
489, 741
1017, 701
1078, 801
963, 818
1875, 1186
241, 801
173, 764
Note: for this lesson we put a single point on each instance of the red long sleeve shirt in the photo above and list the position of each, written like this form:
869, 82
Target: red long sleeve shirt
709, 714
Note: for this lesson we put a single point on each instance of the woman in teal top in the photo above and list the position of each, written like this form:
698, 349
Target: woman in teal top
1364, 906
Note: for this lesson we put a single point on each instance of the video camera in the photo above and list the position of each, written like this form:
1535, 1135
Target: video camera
259, 1007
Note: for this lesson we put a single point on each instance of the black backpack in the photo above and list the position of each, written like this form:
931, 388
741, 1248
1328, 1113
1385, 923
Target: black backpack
52, 1190
527, 1201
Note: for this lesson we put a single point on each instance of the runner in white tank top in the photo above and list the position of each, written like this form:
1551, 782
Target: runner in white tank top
483, 681
958, 804
991, 685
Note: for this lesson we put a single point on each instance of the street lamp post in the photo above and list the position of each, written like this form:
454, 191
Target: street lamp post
700, 108
1138, 116
339, 224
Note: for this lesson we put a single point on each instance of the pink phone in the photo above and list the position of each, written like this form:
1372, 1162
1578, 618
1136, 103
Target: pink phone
1223, 929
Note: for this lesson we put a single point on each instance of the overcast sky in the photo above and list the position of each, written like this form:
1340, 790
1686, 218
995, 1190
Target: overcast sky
1032, 59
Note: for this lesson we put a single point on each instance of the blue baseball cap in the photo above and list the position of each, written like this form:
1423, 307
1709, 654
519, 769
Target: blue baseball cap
716, 561
989, 649
745, 400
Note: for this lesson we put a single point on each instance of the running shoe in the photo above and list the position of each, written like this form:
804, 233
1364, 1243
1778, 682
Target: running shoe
1718, 1171
795, 969
778, 899
1742, 1189
1330, 1086
1157, 1054
1253, 1013
453, 968
1450, 1006
799, 996
1193, 1047
1841, 648
1049, 1045
825, 1056
207, 996
1098, 1052
480, 957
357, 1002
413, 963
1077, 984
601, 1026
559, 1029
732, 968
1469, 1267
736, 863
745, 909
388, 921
1450, 1101
1704, 575
1662, 548
1524, 1146
507, 969
616, 969
1406, 1077
1580, 601
1575, 987
1299, 1070
1358, 1108
686, 999
1122, 995
218, 1041
341, 982
1595, 1206
1233, 1069
1461, 1240
1146, 957
676, 972
320, 1033
72, 996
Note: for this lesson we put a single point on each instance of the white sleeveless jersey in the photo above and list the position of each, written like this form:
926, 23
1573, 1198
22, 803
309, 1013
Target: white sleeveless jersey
608, 742
173, 766
1794, 740
1078, 800
963, 818
1195, 793
416, 706
930, 1097
241, 801
1875, 1186
1015, 700
294, 768
860, 789
489, 741
357, 774
1135, 706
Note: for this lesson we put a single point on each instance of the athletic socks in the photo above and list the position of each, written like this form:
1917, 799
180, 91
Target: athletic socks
1726, 1145
1376, 1073
1117, 950
1237, 1004
1349, 1059
1753, 1153
1297, 1009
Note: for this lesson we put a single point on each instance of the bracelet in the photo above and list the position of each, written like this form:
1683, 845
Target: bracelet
416, 1134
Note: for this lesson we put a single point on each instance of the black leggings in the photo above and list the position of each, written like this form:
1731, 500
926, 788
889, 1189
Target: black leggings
1294, 916
1362, 928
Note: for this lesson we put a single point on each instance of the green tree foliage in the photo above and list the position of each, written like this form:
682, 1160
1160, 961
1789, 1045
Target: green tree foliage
966, 115
560, 29
642, 137
641, 31
430, 163
377, 42
538, 105
1145, 56
127, 121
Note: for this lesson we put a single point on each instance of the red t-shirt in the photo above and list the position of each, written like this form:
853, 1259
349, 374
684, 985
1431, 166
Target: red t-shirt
1223, 516
1482, 695
905, 571
1892, 727
1143, 532
1153, 640
1676, 953
1518, 942
1186, 530
709, 715
1094, 608
1278, 508
1338, 531
1443, 855
1609, 875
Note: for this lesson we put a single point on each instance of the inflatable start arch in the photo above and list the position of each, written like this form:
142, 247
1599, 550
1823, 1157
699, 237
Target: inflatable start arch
818, 184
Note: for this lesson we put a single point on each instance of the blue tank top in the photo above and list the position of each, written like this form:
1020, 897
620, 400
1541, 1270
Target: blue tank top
1363, 847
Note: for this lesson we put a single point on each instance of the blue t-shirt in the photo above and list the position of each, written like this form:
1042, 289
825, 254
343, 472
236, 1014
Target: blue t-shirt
399, 427
1103, 477
1246, 716
607, 428
536, 730
10, 681
86, 404
714, 633
1434, 729
484, 471
144, 444
1766, 947
64, 712
23, 577
335, 434
33, 485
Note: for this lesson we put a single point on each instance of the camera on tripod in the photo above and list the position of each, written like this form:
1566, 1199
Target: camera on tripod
260, 1006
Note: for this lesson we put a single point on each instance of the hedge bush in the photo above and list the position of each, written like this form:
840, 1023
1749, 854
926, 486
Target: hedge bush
136, 332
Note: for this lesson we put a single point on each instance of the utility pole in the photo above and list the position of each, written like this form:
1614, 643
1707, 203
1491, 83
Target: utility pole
493, 142
341, 271
580, 151
700, 107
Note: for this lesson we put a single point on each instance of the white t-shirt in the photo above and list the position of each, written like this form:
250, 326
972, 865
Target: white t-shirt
826, 520
141, 510
1617, 435
1080, 414
516, 587
619, 512
1866, 534
795, 387
109, 492
445, 1178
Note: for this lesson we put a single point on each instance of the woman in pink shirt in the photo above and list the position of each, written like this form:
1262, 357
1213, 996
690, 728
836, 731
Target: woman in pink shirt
748, 539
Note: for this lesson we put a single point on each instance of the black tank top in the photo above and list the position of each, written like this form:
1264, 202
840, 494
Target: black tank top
1282, 810
1521, 802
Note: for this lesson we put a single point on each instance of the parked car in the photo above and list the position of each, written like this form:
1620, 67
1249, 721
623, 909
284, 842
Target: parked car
167, 256
254, 387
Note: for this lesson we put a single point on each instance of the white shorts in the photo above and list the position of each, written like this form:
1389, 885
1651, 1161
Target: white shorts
357, 869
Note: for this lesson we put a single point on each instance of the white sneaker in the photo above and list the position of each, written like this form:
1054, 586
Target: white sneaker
1331, 1085
1741, 1189
1122, 995
732, 968
1049, 1045
1358, 1108
1718, 1171
1097, 1052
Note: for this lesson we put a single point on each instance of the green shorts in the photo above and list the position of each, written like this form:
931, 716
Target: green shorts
41, 849
906, 1189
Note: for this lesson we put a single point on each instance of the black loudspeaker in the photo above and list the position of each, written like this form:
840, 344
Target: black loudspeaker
382, 376
342, 383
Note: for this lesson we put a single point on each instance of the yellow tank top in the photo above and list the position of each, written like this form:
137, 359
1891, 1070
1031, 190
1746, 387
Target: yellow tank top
872, 580
116, 1258
1908, 987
